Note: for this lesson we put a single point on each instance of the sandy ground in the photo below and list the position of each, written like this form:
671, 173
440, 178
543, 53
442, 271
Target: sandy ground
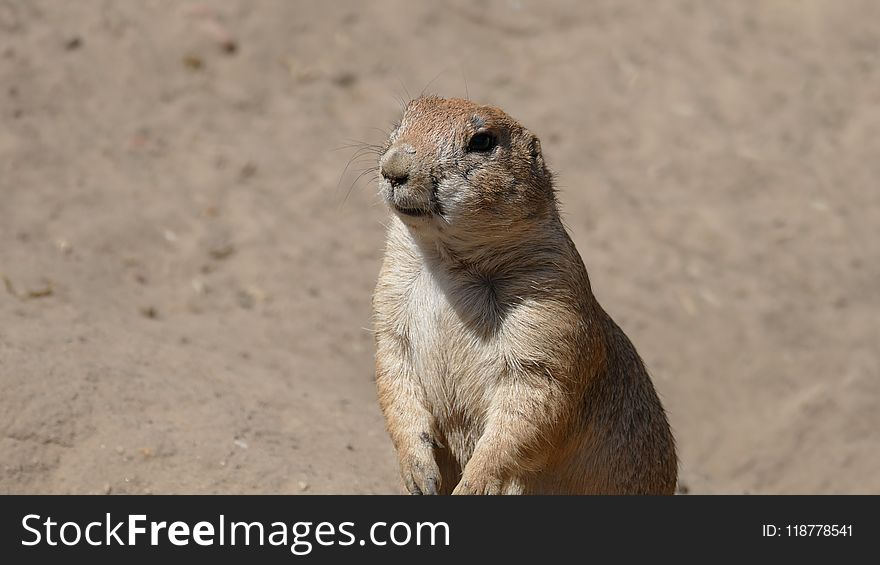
186, 282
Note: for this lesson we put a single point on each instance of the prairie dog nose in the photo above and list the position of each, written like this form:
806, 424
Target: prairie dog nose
396, 163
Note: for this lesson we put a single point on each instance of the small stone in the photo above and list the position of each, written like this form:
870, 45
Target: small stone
222, 250
345, 79
250, 296
149, 312
199, 286
247, 171
245, 299
193, 62
229, 46
64, 246
41, 291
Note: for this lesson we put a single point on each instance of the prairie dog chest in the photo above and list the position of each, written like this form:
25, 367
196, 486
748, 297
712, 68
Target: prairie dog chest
454, 355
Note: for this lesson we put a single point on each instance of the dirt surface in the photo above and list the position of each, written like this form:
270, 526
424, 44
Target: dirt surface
185, 302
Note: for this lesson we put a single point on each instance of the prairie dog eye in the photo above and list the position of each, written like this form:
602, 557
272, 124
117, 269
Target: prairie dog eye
481, 142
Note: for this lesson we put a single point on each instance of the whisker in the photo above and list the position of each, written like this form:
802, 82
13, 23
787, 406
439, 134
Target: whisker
350, 143
359, 177
384, 133
430, 82
362, 152
406, 91
467, 94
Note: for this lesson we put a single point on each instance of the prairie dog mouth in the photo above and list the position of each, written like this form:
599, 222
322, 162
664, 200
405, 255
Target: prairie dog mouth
409, 200
414, 212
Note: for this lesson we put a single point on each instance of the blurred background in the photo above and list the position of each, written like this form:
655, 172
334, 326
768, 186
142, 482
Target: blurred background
186, 270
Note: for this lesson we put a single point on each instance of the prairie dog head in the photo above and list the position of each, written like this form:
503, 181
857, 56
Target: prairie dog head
458, 168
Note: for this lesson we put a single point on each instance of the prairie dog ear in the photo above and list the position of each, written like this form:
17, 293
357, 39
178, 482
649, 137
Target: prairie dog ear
538, 167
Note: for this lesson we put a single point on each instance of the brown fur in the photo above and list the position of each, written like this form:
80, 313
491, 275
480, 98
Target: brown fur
497, 370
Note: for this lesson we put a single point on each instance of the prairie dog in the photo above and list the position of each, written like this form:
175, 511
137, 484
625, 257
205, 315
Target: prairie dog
497, 370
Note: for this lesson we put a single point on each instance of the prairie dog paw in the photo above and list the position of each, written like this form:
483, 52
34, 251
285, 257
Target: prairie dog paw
478, 484
420, 473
